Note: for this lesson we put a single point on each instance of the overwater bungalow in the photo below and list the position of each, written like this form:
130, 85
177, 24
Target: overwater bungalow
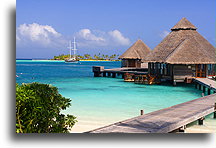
135, 54
182, 55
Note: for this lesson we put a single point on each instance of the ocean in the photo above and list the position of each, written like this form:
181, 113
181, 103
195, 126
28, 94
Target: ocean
99, 101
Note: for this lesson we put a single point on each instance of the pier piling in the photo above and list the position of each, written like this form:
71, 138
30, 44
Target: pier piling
182, 129
141, 112
200, 121
199, 86
215, 111
209, 91
122, 75
104, 74
204, 88
113, 74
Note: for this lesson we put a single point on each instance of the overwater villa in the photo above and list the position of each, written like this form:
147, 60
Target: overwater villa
134, 55
183, 54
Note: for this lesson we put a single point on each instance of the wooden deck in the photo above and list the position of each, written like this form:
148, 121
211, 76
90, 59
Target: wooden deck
99, 71
208, 83
127, 70
165, 120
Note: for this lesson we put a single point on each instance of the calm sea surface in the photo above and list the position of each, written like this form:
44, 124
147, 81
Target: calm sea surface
100, 101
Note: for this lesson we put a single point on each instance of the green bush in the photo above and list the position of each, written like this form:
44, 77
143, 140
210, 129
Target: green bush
38, 109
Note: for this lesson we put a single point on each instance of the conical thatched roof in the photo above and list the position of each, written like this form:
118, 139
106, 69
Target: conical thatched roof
183, 46
184, 24
138, 50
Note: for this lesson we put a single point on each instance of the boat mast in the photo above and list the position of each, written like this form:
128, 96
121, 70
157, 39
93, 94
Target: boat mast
70, 48
74, 48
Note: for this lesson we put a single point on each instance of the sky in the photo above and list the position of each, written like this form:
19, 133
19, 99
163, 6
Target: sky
45, 27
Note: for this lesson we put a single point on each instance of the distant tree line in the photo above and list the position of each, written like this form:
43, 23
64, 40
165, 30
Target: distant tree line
88, 57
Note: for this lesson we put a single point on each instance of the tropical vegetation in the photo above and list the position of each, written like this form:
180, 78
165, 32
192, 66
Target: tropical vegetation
38, 109
89, 57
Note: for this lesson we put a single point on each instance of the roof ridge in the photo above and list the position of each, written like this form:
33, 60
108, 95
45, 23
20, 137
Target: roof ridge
174, 50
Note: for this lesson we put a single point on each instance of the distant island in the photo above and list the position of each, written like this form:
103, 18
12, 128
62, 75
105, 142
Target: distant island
88, 57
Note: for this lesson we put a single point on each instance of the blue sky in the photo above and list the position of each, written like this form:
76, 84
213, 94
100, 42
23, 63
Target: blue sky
44, 27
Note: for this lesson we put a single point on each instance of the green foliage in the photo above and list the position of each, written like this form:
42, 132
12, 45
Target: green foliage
38, 109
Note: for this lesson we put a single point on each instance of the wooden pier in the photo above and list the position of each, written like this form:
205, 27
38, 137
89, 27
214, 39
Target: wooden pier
166, 120
205, 83
99, 71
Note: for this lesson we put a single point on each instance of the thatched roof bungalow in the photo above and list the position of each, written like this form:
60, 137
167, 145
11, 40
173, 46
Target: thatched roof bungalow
183, 53
135, 54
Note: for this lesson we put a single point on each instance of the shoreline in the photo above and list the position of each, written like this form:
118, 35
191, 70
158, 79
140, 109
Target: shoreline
64, 60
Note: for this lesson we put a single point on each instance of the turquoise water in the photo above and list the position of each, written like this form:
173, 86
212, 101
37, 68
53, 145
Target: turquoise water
98, 101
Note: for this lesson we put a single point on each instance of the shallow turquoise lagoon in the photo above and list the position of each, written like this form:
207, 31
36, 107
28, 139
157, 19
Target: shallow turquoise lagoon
98, 101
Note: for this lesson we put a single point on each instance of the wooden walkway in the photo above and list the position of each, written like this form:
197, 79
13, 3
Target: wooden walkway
100, 71
128, 70
165, 120
208, 83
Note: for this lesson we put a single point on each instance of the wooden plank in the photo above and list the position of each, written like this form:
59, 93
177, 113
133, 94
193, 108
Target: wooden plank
164, 120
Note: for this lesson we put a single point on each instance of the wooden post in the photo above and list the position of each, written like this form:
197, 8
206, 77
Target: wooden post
215, 111
109, 74
209, 91
204, 89
141, 112
97, 70
104, 74
199, 86
182, 129
122, 75
196, 86
200, 121
113, 74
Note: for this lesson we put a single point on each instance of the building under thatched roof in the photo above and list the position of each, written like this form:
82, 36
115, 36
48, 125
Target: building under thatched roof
183, 45
183, 53
133, 56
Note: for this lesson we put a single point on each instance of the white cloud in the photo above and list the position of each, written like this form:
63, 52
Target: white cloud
119, 38
44, 35
36, 35
87, 35
164, 34
94, 38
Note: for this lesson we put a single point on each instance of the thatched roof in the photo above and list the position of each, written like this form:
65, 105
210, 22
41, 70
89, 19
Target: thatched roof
184, 24
183, 45
138, 50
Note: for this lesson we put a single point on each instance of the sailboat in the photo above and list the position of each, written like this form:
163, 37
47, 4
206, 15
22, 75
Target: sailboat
72, 59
